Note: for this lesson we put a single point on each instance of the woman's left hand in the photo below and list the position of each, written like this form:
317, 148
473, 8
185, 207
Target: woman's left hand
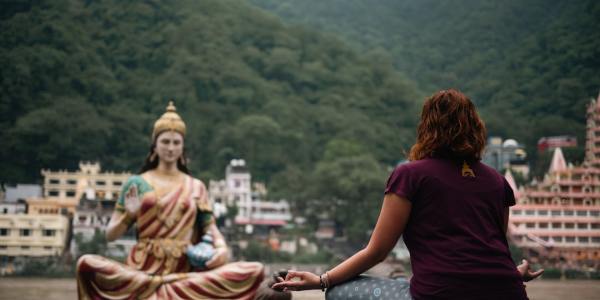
526, 273
220, 258
307, 281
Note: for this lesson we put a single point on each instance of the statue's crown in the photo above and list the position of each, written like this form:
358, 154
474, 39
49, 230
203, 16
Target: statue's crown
170, 120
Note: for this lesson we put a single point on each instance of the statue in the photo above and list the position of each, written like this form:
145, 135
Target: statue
173, 218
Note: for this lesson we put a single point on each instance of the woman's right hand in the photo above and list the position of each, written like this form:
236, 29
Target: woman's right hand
132, 201
305, 281
526, 273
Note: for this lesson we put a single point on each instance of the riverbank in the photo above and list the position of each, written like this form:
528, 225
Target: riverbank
64, 289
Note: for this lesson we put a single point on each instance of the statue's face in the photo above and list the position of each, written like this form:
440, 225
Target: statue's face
169, 146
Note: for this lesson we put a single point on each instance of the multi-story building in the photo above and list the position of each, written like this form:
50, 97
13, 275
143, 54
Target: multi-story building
237, 190
13, 201
63, 189
508, 154
558, 218
33, 235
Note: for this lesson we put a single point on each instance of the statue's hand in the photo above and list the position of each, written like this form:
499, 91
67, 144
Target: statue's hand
219, 258
132, 201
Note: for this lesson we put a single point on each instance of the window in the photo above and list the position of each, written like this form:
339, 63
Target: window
569, 225
100, 182
570, 239
596, 239
24, 247
3, 247
569, 213
72, 181
4, 231
117, 183
530, 225
556, 212
516, 212
237, 183
54, 181
584, 239
25, 232
595, 213
556, 225
48, 232
543, 225
581, 213
558, 239
47, 247
582, 226
542, 212
529, 212
595, 225
70, 193
53, 193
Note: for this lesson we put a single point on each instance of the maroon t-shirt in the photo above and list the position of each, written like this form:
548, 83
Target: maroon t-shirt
455, 236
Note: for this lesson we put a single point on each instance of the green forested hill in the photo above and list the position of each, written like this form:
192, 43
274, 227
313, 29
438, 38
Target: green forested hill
315, 116
531, 65
85, 80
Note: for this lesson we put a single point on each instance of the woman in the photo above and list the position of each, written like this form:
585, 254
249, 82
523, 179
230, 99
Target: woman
452, 211
172, 211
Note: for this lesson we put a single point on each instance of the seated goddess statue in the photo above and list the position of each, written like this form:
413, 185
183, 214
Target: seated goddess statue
172, 212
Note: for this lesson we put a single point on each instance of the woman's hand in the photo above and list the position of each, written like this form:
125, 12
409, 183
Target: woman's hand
132, 201
220, 258
307, 281
526, 273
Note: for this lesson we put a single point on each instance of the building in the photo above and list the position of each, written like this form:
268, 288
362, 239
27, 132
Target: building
14, 199
550, 143
63, 189
22, 192
508, 154
558, 218
237, 190
33, 235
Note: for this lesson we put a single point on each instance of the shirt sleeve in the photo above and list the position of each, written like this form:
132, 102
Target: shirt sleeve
401, 183
509, 195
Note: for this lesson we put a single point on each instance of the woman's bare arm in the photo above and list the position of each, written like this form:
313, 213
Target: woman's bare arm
390, 225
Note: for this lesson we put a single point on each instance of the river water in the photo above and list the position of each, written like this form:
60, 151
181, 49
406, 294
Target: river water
64, 289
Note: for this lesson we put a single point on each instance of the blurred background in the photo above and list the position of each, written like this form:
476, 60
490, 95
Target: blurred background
297, 111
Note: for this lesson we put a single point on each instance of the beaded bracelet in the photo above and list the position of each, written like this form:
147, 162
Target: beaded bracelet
322, 283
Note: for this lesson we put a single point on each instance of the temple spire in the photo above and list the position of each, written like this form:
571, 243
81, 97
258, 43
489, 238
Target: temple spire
558, 161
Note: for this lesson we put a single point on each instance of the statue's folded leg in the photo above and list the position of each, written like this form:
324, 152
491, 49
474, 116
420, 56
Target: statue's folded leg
239, 280
102, 278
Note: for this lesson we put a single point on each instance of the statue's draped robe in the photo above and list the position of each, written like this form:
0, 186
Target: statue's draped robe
157, 266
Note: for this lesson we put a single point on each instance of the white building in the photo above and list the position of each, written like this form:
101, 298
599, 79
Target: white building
237, 190
508, 154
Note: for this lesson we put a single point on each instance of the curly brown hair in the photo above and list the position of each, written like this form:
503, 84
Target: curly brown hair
449, 128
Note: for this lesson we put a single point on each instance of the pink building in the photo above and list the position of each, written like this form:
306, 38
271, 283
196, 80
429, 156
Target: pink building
558, 219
